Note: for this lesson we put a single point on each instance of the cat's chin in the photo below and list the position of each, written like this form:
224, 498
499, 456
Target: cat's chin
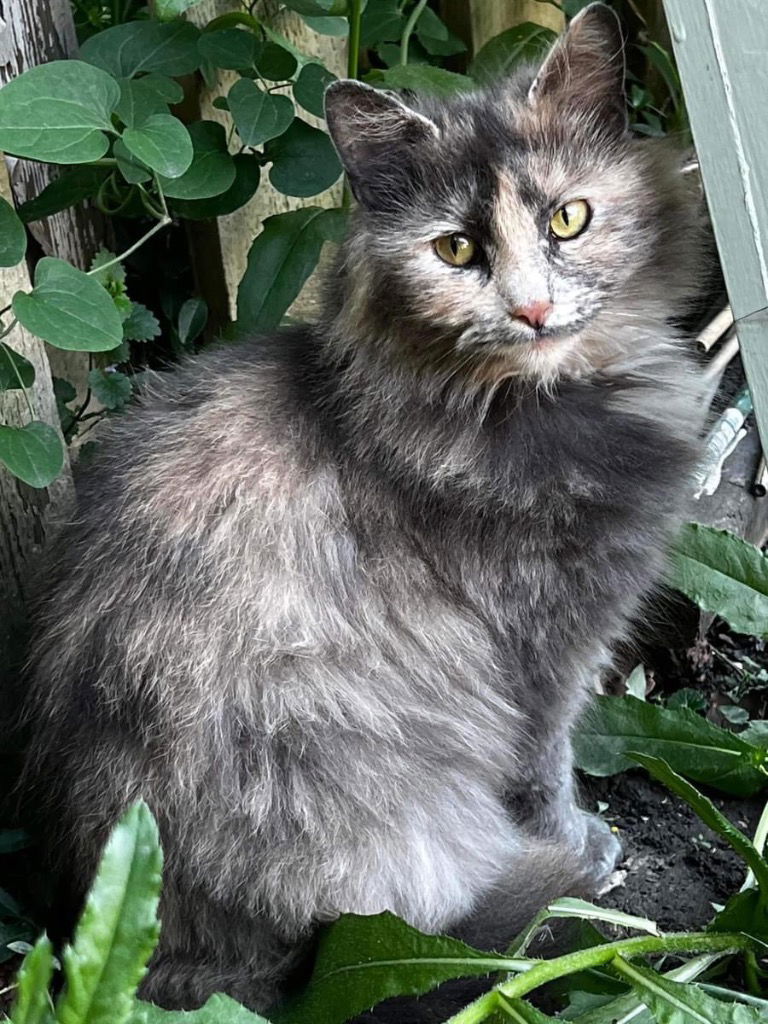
541, 360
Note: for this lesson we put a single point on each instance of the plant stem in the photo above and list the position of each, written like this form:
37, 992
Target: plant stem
165, 219
478, 1011
761, 835
15, 368
410, 25
353, 46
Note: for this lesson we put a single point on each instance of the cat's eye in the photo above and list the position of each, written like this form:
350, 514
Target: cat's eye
571, 219
456, 249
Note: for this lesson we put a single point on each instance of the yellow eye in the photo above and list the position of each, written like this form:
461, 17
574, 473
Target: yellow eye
458, 250
571, 219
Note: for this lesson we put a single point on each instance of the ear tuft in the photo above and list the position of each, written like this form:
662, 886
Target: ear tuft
585, 68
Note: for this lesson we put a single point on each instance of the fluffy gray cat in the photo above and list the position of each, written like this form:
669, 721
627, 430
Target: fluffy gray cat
334, 598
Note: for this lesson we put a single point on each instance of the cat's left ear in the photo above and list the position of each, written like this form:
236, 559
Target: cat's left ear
585, 68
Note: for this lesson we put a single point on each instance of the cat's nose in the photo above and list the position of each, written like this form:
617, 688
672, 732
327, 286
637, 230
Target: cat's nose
535, 314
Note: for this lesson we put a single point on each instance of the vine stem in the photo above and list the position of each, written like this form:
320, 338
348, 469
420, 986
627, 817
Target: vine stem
164, 221
14, 367
410, 25
599, 956
353, 49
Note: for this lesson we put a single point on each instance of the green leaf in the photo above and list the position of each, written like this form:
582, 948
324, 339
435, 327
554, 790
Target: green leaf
168, 9
421, 78
309, 88
163, 143
710, 815
317, 8
434, 36
33, 453
133, 170
258, 115
280, 260
141, 324
193, 316
521, 1012
118, 929
13, 237
756, 733
381, 22
58, 112
69, 309
275, 62
32, 1004
105, 271
502, 54
746, 912
110, 387
722, 573
231, 48
337, 27
304, 161
142, 97
212, 170
219, 1009
125, 50
362, 960
694, 700
15, 370
247, 177
613, 726
673, 1003
67, 190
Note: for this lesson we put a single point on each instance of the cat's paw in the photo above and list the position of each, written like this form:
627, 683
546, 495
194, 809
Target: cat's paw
603, 851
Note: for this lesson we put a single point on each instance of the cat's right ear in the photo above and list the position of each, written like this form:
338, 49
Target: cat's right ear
377, 137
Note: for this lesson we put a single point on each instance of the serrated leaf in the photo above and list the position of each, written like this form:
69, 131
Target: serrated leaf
304, 161
611, 727
193, 317
421, 78
231, 48
15, 371
69, 309
125, 50
275, 62
506, 51
33, 453
110, 387
724, 574
163, 143
219, 1009
58, 112
13, 237
141, 324
361, 961
118, 929
70, 188
280, 260
32, 1005
212, 170
309, 88
113, 275
258, 115
247, 177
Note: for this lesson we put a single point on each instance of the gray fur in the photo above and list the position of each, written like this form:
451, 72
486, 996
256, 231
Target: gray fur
334, 598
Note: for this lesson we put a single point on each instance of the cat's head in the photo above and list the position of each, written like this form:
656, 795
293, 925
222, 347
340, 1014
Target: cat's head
520, 230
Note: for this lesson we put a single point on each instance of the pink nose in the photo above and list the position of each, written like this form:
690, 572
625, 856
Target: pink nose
535, 314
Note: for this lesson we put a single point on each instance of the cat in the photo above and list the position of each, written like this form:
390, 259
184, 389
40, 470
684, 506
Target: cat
334, 598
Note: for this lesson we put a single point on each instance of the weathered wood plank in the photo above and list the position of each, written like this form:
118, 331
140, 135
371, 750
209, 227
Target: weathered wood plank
721, 48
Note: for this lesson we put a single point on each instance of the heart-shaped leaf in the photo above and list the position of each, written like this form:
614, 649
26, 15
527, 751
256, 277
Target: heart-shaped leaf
58, 112
258, 115
125, 50
132, 169
69, 309
34, 452
70, 188
16, 372
163, 143
232, 48
142, 97
247, 177
13, 237
304, 161
212, 170
309, 88
275, 62
504, 52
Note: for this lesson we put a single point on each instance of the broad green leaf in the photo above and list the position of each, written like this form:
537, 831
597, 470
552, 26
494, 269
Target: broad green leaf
304, 161
309, 88
110, 387
193, 317
694, 700
328, 26
125, 50
118, 929
434, 36
421, 78
258, 115
275, 62
168, 9
132, 169
33, 453
381, 22
247, 177
756, 733
231, 48
58, 112
280, 260
142, 97
722, 573
69, 309
67, 190
318, 8
502, 54
212, 170
163, 143
673, 1003
710, 815
15, 371
13, 237
662, 61
32, 1005
611, 727
219, 1009
362, 960
744, 912
141, 324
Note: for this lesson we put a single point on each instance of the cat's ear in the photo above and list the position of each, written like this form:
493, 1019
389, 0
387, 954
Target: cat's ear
376, 135
585, 68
